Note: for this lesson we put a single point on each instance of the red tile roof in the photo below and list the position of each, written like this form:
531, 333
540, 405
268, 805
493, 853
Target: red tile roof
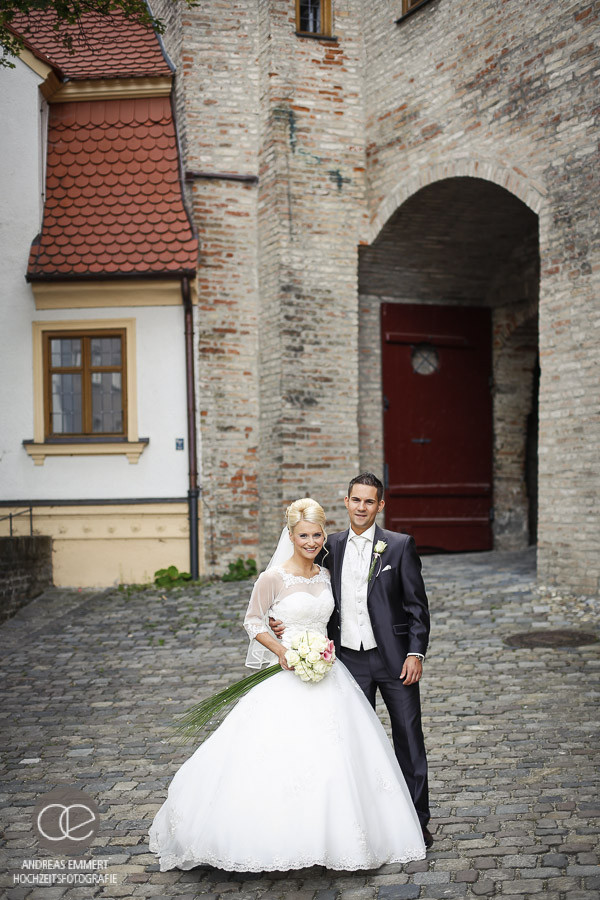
113, 196
105, 46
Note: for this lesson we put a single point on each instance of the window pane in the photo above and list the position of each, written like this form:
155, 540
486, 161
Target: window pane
106, 351
107, 403
310, 16
66, 404
65, 352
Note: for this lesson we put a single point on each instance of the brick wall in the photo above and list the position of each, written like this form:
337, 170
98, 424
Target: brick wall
507, 92
312, 180
25, 571
491, 105
277, 281
215, 45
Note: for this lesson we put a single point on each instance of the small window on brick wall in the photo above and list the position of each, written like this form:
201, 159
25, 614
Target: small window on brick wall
407, 5
85, 383
314, 17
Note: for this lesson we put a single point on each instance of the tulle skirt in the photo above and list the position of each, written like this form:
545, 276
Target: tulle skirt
298, 775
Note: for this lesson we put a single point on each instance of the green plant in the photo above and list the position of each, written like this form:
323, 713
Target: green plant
131, 589
240, 570
171, 577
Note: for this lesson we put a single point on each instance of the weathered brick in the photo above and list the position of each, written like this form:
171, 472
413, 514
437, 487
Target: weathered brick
520, 886
414, 163
431, 877
520, 861
555, 859
399, 892
467, 875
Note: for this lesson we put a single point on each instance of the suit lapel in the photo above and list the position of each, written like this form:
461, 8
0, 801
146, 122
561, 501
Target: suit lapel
338, 560
378, 536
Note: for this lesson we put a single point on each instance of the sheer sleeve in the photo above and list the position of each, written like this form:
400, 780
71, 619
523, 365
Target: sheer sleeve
256, 620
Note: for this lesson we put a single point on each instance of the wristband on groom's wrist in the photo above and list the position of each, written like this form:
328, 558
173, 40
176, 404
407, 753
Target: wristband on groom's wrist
418, 655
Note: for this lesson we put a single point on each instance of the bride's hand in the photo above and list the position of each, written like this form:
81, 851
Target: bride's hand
283, 661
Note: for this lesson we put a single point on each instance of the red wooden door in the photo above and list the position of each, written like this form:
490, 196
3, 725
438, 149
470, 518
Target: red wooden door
438, 424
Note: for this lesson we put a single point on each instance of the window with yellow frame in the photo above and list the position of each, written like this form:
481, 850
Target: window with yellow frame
85, 384
84, 390
314, 17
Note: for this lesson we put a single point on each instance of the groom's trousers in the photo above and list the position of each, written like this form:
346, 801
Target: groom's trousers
404, 706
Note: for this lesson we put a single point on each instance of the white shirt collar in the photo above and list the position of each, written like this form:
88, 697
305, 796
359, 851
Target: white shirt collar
369, 534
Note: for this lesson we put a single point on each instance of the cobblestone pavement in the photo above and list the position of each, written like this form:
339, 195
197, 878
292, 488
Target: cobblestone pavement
92, 680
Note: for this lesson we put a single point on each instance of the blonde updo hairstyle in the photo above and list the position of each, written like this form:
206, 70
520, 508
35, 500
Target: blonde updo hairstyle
306, 509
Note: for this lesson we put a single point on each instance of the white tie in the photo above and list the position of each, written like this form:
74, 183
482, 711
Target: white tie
360, 543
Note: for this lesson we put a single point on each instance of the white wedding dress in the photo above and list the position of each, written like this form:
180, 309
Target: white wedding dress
299, 774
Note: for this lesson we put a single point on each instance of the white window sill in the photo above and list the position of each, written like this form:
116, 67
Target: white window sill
131, 449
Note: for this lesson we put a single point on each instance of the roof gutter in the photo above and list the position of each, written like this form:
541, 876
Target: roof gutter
110, 276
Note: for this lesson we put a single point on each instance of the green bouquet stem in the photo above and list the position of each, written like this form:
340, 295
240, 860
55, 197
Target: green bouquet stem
214, 709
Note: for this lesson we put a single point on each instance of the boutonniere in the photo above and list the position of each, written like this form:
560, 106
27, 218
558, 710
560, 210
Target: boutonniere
378, 550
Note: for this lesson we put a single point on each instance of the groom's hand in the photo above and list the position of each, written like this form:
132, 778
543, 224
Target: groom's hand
276, 626
411, 670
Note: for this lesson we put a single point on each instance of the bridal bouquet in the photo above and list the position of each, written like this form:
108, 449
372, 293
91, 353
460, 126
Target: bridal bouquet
311, 656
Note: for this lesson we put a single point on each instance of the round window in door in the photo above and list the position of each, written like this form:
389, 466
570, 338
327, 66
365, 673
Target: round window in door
425, 359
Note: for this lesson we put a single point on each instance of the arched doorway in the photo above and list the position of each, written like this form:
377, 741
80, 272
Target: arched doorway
454, 278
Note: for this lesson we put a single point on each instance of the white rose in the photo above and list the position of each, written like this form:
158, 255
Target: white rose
380, 547
295, 642
313, 656
293, 658
303, 648
317, 641
321, 667
303, 672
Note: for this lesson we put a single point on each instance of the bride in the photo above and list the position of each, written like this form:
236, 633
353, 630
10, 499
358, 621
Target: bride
299, 774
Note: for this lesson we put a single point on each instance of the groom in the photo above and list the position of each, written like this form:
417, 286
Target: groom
381, 625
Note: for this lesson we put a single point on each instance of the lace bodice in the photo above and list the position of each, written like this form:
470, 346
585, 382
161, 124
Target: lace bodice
300, 603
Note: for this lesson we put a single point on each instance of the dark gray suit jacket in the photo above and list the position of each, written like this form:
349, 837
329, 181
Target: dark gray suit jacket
396, 597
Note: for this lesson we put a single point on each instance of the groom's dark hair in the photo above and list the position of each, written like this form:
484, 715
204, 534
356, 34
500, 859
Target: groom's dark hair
370, 480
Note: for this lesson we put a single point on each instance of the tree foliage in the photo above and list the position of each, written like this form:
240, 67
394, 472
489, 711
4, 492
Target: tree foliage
68, 13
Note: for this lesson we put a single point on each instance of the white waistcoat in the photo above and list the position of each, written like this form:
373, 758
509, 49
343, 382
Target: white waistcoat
356, 622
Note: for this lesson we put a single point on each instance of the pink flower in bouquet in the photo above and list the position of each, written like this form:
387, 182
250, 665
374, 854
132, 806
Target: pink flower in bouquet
328, 652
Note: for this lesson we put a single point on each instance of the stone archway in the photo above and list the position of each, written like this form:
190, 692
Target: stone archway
512, 179
463, 241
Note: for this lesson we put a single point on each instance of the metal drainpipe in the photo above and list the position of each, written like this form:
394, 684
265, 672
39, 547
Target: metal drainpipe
193, 489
